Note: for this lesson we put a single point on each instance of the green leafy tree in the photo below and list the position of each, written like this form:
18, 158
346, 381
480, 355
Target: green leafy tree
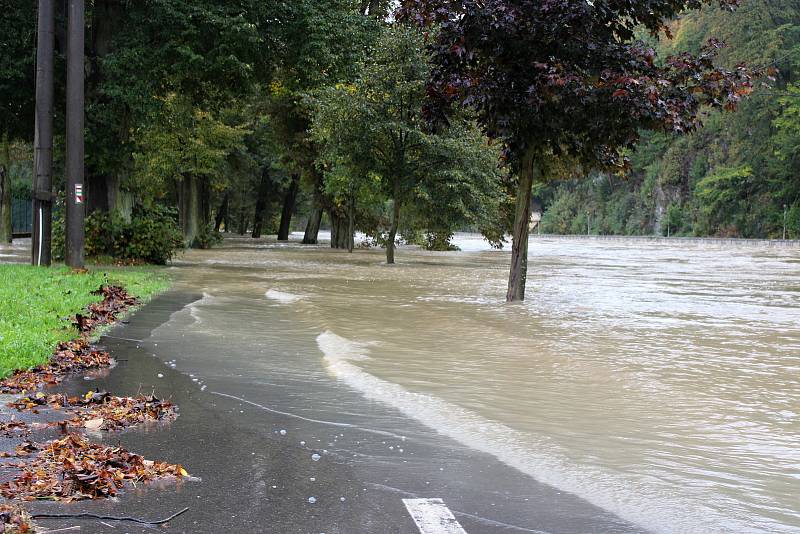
188, 149
373, 135
666, 169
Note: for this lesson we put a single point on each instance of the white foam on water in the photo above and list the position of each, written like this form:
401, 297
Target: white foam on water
283, 297
194, 308
643, 501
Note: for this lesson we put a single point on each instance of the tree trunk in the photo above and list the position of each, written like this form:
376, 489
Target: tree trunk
390, 245
204, 188
102, 188
522, 216
351, 223
6, 229
189, 208
97, 193
261, 204
339, 227
315, 218
222, 213
312, 227
288, 208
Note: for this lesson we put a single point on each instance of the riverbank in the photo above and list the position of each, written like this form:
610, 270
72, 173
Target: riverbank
36, 306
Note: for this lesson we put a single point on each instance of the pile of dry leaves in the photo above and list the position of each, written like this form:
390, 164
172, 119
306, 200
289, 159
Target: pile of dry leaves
12, 428
14, 520
69, 357
99, 410
78, 355
115, 301
72, 468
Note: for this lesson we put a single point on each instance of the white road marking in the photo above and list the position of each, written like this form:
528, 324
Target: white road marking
432, 516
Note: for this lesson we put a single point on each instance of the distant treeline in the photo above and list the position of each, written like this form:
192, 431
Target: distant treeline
737, 177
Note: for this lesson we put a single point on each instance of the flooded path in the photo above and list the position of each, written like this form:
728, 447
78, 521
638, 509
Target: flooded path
658, 382
643, 386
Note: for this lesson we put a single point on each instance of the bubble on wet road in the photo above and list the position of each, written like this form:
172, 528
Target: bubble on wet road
312, 500
283, 432
315, 457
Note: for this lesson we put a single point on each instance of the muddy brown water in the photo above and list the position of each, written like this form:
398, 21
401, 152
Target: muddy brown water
660, 382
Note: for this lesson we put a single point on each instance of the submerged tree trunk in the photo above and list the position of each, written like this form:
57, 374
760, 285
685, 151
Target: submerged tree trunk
261, 204
189, 208
6, 230
390, 243
315, 218
522, 216
339, 226
351, 223
288, 208
312, 227
222, 212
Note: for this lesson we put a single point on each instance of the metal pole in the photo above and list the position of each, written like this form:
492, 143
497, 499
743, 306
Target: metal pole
43, 137
74, 226
588, 223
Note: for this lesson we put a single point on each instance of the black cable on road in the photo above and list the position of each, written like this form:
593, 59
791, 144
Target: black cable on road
109, 517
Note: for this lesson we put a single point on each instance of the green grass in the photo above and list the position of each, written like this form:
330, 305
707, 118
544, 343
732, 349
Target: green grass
36, 305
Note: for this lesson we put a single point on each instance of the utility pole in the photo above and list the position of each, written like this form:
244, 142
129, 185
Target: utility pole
76, 209
43, 136
784, 222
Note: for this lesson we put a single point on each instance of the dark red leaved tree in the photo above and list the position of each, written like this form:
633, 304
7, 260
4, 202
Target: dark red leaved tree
566, 80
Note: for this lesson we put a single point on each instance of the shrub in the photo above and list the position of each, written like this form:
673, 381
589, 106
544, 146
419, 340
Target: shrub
152, 235
207, 238
439, 241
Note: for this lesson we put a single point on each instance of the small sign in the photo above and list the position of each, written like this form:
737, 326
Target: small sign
78, 193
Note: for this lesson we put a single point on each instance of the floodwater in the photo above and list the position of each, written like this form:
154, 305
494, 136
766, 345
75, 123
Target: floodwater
660, 382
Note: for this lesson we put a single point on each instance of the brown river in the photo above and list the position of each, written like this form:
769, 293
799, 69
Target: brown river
658, 381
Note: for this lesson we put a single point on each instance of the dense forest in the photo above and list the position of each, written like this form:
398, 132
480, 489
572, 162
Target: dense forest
739, 176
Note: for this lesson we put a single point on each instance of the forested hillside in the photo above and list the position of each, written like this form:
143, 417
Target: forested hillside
731, 178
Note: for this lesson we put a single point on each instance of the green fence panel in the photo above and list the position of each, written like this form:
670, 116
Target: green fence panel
21, 216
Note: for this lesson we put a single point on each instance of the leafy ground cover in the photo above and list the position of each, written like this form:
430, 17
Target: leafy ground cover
37, 306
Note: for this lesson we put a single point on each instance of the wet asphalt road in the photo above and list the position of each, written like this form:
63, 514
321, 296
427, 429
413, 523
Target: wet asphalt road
251, 477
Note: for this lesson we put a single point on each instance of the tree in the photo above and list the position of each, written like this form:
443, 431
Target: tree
209, 53
567, 80
325, 41
372, 132
665, 171
188, 149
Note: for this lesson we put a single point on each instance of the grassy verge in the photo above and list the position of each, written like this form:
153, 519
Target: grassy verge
36, 305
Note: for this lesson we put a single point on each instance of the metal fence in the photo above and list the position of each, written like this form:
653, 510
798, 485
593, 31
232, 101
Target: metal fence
21, 216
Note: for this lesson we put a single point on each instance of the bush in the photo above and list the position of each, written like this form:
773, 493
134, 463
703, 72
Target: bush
439, 241
207, 238
152, 236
